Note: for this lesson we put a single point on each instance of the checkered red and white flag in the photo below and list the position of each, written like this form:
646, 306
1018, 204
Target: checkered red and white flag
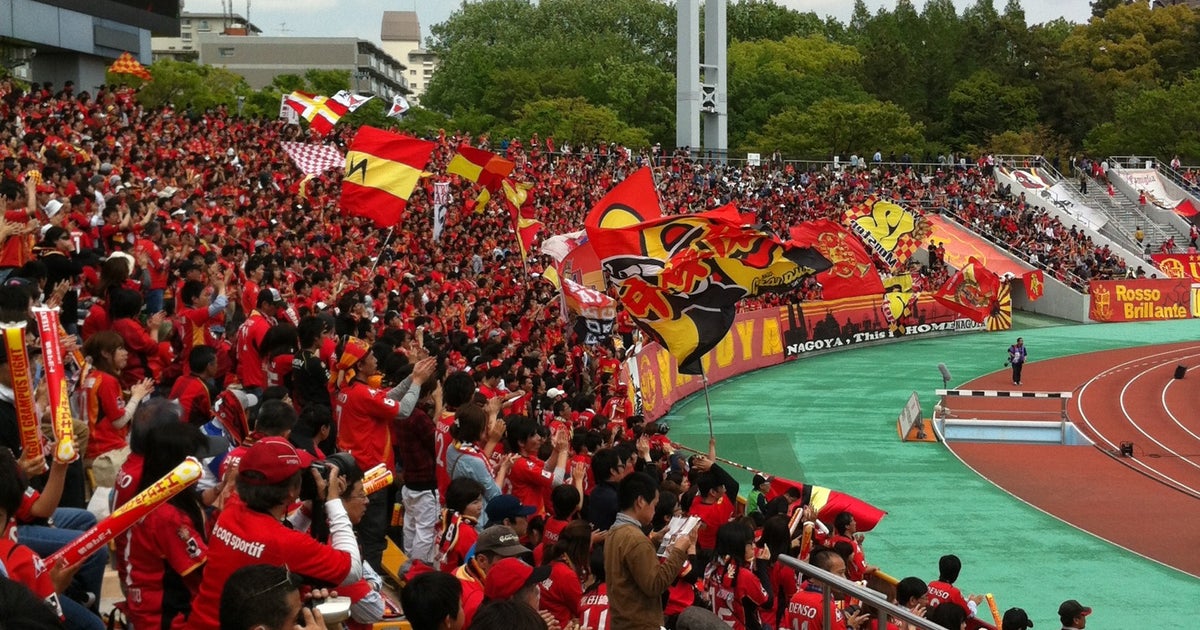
314, 159
126, 64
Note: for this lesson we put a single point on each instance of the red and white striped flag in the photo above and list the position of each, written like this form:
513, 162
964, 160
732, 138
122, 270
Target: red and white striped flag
314, 159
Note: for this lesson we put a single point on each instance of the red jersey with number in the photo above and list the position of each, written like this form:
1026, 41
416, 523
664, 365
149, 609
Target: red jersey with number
129, 477
593, 609
530, 481
249, 345
364, 420
165, 550
728, 595
441, 443
242, 536
941, 592
806, 612
24, 567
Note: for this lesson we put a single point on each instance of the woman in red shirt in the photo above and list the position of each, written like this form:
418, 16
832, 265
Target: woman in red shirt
456, 531
141, 341
569, 561
736, 587
108, 410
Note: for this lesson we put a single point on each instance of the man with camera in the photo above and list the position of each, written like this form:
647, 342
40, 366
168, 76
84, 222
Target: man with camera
251, 531
1016, 358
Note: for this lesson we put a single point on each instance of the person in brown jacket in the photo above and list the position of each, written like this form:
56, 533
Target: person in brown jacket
636, 578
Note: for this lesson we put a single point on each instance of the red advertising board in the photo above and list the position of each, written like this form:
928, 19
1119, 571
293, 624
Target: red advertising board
1179, 265
1140, 300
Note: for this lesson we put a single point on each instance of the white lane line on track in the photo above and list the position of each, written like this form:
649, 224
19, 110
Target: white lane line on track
1130, 419
1111, 371
1168, 410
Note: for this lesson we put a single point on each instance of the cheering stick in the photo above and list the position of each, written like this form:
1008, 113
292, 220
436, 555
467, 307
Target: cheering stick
991, 601
22, 385
376, 479
56, 384
185, 474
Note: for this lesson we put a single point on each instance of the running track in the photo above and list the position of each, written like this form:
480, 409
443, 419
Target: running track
1149, 503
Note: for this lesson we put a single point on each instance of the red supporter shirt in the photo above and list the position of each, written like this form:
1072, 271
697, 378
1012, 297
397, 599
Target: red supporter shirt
593, 609
561, 593
242, 536
249, 343
729, 594
129, 477
364, 417
784, 585
158, 263
141, 348
105, 406
163, 547
941, 592
806, 612
713, 516
441, 444
195, 329
25, 568
278, 369
530, 481
858, 564
193, 397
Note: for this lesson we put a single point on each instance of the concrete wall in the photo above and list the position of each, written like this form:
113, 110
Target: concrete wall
71, 46
1058, 300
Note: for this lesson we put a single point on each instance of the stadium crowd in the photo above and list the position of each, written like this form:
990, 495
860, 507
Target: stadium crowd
228, 311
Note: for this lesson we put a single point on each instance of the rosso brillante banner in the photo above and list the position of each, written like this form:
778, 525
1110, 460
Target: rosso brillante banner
1140, 300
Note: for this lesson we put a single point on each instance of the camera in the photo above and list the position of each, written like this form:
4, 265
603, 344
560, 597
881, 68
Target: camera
343, 461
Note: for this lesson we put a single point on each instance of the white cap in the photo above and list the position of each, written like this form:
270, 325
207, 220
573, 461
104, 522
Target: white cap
248, 400
52, 207
555, 392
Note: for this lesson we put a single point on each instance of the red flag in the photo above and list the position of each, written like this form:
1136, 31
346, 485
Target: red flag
852, 273
126, 64
1035, 284
321, 112
829, 503
382, 168
972, 292
484, 168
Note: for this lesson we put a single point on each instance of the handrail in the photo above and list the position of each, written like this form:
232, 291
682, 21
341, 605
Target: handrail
830, 583
1071, 280
1029, 160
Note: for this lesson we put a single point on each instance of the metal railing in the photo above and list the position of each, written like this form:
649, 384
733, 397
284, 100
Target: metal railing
831, 584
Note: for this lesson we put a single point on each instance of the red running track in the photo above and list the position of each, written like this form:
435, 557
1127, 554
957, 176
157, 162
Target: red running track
1125, 395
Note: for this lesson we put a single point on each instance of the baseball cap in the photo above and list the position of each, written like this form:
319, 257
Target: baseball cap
500, 540
554, 392
52, 207
270, 461
510, 575
759, 479
1016, 619
1072, 609
270, 295
507, 506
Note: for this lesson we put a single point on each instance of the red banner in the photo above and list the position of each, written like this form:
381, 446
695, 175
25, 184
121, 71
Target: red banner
1179, 265
961, 245
1140, 300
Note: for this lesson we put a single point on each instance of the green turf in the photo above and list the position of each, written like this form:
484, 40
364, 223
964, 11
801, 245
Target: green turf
831, 420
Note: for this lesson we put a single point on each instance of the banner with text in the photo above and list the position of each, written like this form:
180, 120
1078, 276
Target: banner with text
767, 337
1178, 265
1140, 300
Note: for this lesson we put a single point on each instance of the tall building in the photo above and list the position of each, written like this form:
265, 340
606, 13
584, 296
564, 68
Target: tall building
401, 38
76, 40
193, 26
261, 59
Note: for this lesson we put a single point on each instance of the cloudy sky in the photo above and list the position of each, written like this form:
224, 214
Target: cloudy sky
361, 18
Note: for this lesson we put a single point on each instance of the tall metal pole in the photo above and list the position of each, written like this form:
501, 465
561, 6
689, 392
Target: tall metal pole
687, 74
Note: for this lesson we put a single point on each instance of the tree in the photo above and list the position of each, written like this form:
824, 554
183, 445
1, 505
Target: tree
190, 85
577, 121
833, 127
750, 20
1154, 123
766, 77
1100, 8
982, 107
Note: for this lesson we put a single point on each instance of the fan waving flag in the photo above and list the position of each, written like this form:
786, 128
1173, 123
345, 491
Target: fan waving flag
126, 64
853, 273
971, 292
484, 168
829, 503
680, 277
314, 159
893, 233
323, 112
594, 311
382, 168
521, 206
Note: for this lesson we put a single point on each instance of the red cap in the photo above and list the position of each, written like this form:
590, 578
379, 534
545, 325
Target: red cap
272, 460
510, 575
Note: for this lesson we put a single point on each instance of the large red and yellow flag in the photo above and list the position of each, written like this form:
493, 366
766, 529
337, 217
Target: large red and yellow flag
482, 167
680, 277
853, 273
972, 291
520, 204
382, 168
829, 503
893, 233
126, 64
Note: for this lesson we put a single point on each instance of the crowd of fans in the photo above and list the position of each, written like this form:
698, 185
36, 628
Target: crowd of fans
229, 312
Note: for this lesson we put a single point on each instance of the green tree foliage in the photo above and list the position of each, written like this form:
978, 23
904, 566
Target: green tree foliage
836, 127
577, 121
766, 77
750, 20
1161, 122
188, 85
981, 107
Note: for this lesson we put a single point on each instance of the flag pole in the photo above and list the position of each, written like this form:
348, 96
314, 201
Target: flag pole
707, 402
381, 248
